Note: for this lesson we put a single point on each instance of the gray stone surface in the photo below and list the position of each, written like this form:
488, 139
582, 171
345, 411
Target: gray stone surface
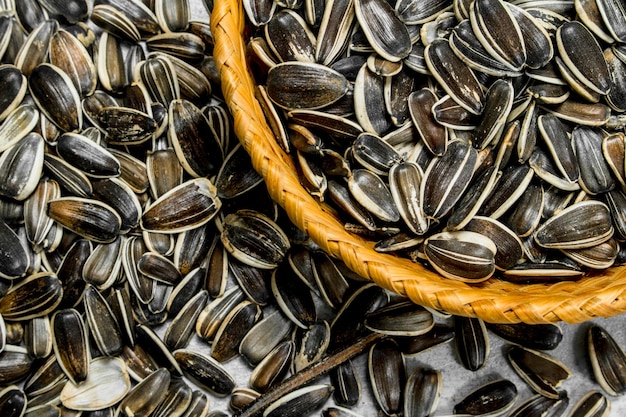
458, 382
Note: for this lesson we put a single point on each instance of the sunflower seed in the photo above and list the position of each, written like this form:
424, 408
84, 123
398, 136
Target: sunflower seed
146, 396
331, 282
192, 83
241, 398
37, 337
348, 324
88, 218
593, 403
138, 363
182, 292
183, 45
173, 17
586, 114
118, 195
214, 313
254, 239
164, 171
387, 376
35, 296
273, 367
499, 32
71, 268
542, 372
527, 214
369, 102
564, 231
14, 255
472, 342
595, 174
452, 173
455, 77
29, 14
199, 406
71, 345
18, 124
438, 335
346, 384
339, 412
12, 401
402, 319
106, 384
115, 22
264, 336
600, 256
289, 37
72, 10
34, 50
537, 41
592, 72
617, 93
154, 346
180, 330
71, 56
607, 359
119, 301
285, 82
194, 140
538, 405
336, 25
538, 337
91, 158
15, 363
293, 298
377, 19
13, 83
126, 126
311, 344
492, 398
205, 371
613, 151
420, 107
159, 268
462, 255
103, 324
36, 221
299, 401
468, 48
510, 249
509, 189
176, 401
196, 197
422, 391
232, 330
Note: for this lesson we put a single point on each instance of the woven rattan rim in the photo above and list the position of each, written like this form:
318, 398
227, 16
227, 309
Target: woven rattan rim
495, 301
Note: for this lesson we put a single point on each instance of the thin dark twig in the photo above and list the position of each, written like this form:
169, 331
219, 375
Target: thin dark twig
310, 373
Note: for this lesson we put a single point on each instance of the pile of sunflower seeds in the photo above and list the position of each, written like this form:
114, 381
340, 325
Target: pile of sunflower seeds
144, 268
480, 137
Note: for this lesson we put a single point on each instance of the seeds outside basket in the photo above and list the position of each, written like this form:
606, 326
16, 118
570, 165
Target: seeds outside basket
495, 301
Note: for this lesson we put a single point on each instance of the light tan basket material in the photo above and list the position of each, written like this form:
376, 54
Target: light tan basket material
494, 301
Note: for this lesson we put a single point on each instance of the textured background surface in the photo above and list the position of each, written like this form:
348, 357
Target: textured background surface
458, 382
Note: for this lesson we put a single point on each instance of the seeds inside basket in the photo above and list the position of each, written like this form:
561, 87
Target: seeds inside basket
467, 111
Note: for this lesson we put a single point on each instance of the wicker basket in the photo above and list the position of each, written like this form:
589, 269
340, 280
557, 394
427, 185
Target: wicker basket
496, 301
